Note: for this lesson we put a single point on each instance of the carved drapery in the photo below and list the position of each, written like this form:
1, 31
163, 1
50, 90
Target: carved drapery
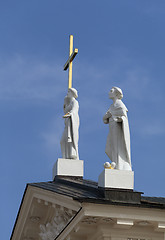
51, 230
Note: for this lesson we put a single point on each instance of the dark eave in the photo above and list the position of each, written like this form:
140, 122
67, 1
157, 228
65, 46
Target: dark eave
87, 191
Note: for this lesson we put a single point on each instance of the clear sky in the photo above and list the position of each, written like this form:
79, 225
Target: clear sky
121, 43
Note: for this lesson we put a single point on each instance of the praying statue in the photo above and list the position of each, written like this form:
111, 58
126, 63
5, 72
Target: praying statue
118, 140
69, 140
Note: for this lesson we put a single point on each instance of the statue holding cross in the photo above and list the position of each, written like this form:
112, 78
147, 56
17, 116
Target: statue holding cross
69, 140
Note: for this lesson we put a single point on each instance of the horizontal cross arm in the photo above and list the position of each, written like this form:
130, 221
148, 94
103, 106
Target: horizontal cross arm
70, 59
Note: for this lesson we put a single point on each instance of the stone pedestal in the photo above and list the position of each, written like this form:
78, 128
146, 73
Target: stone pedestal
68, 167
111, 178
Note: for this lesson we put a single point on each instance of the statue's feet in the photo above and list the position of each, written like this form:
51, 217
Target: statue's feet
113, 165
109, 166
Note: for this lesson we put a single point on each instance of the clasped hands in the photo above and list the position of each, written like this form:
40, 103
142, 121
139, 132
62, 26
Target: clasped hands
116, 118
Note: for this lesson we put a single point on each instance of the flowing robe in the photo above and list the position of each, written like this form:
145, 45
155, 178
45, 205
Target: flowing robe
118, 140
69, 140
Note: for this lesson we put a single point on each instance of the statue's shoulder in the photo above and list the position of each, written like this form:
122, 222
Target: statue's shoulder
120, 104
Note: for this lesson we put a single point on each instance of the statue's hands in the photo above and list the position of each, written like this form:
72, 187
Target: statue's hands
119, 119
106, 117
108, 114
67, 115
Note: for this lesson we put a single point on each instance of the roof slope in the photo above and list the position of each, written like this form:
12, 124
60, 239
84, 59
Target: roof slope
87, 191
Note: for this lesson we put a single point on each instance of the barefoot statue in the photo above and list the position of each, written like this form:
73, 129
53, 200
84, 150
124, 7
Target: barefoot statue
69, 140
118, 140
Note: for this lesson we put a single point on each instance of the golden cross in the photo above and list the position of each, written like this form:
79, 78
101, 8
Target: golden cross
72, 55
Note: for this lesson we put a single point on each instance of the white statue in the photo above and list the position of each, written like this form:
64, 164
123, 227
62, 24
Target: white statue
118, 140
69, 140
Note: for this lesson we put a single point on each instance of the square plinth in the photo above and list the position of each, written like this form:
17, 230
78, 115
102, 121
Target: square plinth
68, 167
112, 178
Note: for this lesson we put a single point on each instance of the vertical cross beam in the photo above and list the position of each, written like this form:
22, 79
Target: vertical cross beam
68, 64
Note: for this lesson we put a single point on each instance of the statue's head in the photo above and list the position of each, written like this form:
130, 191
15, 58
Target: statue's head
72, 92
115, 92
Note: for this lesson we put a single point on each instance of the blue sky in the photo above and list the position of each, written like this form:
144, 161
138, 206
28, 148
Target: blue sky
121, 43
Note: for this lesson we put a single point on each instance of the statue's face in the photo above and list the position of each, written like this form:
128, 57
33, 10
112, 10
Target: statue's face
112, 93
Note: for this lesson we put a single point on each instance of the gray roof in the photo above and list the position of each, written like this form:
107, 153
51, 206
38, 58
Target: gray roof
88, 191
